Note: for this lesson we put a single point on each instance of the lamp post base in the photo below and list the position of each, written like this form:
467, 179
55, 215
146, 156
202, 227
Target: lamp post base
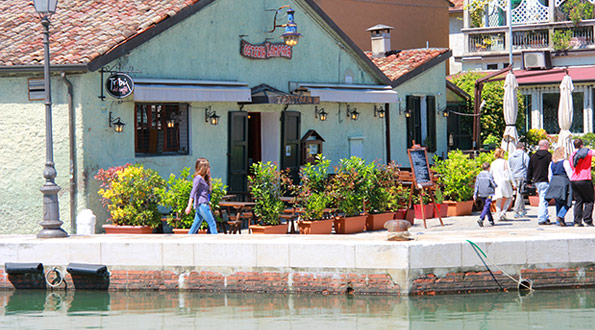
52, 230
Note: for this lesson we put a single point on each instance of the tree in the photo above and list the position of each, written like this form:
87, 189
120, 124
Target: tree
492, 116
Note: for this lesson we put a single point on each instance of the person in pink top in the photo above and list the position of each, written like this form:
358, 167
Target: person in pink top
582, 187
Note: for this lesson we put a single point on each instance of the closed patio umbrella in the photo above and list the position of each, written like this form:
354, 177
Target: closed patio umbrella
565, 113
510, 104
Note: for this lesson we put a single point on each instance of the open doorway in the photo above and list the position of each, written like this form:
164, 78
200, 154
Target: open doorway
254, 138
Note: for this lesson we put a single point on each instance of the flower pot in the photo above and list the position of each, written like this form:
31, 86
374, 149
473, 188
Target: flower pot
442, 209
116, 229
428, 211
316, 227
275, 229
167, 229
400, 214
534, 201
350, 225
376, 221
459, 208
180, 231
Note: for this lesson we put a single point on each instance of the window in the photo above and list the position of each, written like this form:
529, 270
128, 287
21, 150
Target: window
430, 141
551, 102
414, 120
528, 102
161, 129
36, 89
493, 66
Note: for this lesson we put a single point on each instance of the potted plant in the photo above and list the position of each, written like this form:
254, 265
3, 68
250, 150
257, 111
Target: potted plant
218, 190
349, 189
130, 194
399, 201
456, 176
382, 179
440, 205
428, 208
312, 198
266, 184
174, 196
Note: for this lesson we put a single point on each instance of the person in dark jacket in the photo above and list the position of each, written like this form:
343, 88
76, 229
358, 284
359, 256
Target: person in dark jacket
485, 188
559, 176
537, 173
582, 186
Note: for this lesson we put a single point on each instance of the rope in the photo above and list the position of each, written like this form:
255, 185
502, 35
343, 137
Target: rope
464, 114
484, 263
519, 281
58, 279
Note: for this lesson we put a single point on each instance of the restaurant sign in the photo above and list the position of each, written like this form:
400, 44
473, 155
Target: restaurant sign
265, 50
297, 99
119, 85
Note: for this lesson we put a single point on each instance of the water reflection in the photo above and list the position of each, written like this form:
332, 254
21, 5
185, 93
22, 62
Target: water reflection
190, 310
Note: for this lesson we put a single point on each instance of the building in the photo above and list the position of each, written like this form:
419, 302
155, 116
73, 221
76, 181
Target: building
545, 42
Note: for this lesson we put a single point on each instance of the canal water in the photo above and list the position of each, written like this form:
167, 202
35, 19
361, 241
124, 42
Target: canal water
560, 309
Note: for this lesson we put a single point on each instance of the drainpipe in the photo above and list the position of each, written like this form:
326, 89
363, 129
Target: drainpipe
71, 154
387, 120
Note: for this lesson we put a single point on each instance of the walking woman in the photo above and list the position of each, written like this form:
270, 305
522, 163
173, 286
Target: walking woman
199, 197
559, 174
503, 178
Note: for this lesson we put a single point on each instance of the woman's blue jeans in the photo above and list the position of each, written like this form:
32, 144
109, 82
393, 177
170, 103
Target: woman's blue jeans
203, 213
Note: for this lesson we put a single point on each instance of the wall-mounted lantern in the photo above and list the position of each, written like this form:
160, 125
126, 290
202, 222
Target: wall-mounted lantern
211, 116
379, 112
116, 123
320, 113
352, 113
291, 37
445, 113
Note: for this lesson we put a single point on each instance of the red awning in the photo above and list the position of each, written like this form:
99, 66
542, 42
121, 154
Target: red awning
554, 76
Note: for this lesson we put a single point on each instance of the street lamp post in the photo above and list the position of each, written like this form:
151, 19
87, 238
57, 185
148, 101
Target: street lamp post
51, 213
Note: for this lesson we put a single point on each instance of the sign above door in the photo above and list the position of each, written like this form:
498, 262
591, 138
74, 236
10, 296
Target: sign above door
265, 50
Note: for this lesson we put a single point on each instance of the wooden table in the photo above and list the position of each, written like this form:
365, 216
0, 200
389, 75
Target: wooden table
243, 210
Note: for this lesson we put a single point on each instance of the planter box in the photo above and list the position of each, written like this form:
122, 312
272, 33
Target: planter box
443, 209
459, 208
493, 206
180, 231
276, 229
114, 229
428, 211
377, 221
400, 214
317, 227
350, 225
534, 201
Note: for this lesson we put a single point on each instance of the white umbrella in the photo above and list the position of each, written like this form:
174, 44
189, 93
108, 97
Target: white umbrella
565, 111
510, 104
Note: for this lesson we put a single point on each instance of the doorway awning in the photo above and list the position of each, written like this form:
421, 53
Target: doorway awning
265, 94
175, 90
350, 93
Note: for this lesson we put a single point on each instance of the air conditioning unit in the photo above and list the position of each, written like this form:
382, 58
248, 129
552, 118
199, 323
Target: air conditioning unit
541, 59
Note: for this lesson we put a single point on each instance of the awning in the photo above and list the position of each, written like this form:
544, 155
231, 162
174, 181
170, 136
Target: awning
265, 94
351, 93
174, 90
578, 74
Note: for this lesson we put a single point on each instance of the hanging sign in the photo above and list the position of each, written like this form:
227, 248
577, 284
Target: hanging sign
119, 85
264, 51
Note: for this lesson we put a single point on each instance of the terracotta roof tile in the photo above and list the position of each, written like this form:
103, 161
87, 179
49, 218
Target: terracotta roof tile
405, 61
81, 30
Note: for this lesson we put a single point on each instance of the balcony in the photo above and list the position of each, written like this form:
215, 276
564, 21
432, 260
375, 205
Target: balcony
534, 25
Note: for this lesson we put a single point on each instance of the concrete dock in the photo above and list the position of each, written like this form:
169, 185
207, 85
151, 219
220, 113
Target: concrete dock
439, 260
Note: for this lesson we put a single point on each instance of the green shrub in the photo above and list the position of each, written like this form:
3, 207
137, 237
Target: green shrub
383, 178
175, 197
266, 186
456, 175
218, 190
350, 185
311, 194
130, 194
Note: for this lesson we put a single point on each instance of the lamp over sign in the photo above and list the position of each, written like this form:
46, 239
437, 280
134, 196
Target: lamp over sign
45, 7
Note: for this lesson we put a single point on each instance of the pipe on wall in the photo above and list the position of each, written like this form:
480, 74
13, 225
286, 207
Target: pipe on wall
71, 152
387, 119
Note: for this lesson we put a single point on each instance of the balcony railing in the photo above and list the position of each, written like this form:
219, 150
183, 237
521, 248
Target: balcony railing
490, 42
530, 39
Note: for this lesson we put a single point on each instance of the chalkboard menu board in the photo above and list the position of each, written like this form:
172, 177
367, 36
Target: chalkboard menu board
420, 166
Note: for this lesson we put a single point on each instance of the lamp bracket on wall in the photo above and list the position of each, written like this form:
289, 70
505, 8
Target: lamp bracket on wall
290, 35
352, 112
320, 113
116, 123
211, 116
379, 111
115, 68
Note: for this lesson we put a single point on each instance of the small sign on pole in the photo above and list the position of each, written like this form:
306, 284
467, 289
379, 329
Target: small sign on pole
119, 85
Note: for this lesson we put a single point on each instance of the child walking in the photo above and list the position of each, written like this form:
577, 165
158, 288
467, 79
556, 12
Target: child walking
199, 197
485, 187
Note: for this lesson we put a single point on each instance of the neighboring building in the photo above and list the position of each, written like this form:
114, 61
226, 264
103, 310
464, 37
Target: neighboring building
190, 61
418, 23
456, 37
544, 41
418, 75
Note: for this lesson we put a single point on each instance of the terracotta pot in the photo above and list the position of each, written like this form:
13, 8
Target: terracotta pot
276, 229
493, 206
350, 225
376, 221
443, 209
534, 201
459, 208
181, 231
316, 227
428, 211
410, 216
115, 229
400, 214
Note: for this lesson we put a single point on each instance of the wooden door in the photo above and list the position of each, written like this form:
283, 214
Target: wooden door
290, 142
414, 121
237, 156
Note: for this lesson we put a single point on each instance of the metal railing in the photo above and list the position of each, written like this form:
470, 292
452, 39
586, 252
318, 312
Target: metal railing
530, 39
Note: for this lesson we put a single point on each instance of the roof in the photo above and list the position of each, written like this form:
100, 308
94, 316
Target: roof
103, 30
457, 6
555, 75
78, 33
457, 90
403, 65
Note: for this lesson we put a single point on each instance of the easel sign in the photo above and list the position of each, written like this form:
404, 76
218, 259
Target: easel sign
422, 178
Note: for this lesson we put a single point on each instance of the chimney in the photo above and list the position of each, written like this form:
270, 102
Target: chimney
380, 39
